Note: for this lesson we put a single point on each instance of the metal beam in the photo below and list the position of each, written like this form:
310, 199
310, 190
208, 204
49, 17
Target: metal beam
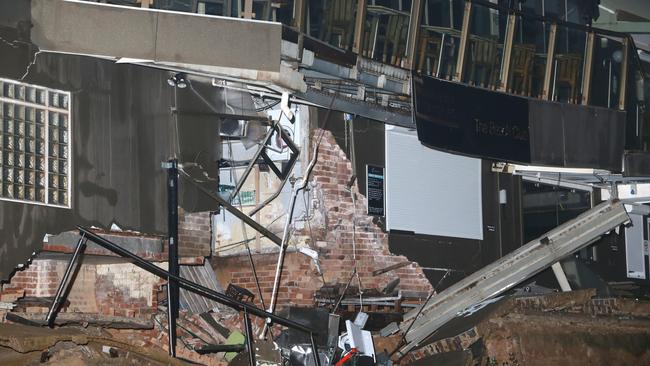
189, 285
172, 241
358, 107
510, 270
230, 208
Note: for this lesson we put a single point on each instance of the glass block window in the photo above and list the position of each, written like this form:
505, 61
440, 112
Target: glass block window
34, 144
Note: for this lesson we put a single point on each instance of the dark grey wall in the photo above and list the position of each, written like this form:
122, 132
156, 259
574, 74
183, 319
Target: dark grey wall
122, 130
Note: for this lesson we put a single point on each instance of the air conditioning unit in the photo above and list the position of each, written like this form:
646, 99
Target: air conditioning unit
233, 128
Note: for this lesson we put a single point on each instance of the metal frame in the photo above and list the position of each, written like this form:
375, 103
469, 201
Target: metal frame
510, 270
232, 209
248, 309
261, 152
464, 37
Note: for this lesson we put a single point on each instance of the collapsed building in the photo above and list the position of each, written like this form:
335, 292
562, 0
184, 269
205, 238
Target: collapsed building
238, 185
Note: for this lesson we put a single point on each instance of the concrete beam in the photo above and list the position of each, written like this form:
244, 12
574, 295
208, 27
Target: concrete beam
155, 35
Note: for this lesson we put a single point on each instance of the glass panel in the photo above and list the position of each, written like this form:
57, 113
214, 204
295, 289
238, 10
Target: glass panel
284, 12
439, 39
332, 21
24, 153
485, 47
636, 135
606, 72
568, 65
386, 31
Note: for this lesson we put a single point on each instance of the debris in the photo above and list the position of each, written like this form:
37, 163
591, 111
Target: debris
83, 319
391, 268
239, 293
390, 329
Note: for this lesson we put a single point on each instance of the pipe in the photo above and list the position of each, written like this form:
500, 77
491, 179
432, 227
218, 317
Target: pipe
60, 292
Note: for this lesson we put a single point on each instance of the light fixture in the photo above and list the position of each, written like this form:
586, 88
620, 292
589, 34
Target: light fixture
179, 80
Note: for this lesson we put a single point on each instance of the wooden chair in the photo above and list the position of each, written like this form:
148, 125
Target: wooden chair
567, 72
370, 36
428, 50
521, 69
338, 21
484, 58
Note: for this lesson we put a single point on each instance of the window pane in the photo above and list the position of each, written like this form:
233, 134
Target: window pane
485, 46
34, 143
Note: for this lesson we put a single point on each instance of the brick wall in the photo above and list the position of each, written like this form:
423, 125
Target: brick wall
120, 289
194, 234
330, 232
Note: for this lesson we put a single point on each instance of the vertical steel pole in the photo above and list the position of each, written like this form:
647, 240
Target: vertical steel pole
249, 338
172, 228
314, 349
60, 292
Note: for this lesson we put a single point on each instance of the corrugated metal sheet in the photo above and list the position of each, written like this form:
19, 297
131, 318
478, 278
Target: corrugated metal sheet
203, 275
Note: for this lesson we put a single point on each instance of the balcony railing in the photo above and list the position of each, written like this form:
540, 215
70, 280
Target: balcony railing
474, 42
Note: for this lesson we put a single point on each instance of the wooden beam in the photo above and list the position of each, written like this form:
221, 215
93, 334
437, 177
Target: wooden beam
414, 33
550, 56
359, 27
507, 53
464, 37
623, 82
587, 68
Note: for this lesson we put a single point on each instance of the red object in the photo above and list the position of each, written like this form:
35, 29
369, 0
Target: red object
347, 357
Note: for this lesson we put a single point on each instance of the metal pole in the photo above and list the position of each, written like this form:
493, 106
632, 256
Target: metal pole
314, 349
60, 292
249, 339
230, 208
172, 228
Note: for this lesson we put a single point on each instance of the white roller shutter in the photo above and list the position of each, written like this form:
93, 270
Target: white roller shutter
429, 191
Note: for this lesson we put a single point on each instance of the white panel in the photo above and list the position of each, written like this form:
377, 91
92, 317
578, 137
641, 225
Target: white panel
634, 252
429, 191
